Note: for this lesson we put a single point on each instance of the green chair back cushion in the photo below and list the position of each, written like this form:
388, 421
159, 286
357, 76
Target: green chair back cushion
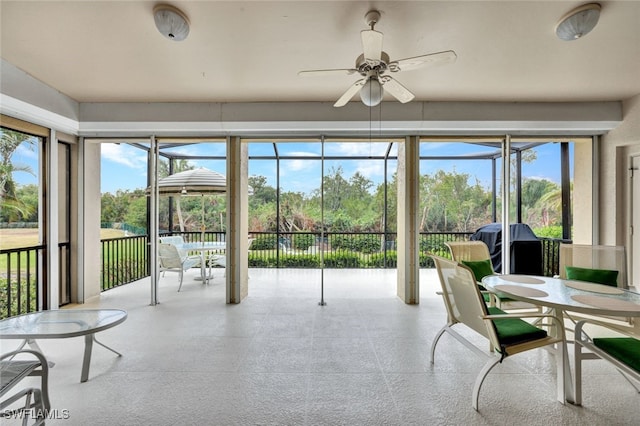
624, 349
480, 268
511, 331
599, 276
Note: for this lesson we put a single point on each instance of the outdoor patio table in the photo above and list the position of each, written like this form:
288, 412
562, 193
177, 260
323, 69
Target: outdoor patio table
61, 324
560, 295
204, 248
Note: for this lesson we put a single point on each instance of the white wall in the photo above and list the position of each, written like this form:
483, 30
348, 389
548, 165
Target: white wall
616, 146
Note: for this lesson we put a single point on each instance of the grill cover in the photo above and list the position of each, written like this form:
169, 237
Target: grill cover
526, 248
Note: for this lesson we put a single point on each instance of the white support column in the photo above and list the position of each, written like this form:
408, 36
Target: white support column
408, 286
506, 198
91, 220
237, 220
153, 219
52, 237
79, 253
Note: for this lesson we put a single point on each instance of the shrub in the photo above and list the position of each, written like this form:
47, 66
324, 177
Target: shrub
257, 261
303, 241
300, 261
363, 243
548, 232
377, 260
264, 242
341, 260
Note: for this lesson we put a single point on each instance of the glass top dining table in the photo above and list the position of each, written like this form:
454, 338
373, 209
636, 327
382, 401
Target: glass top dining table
561, 295
567, 295
204, 248
63, 323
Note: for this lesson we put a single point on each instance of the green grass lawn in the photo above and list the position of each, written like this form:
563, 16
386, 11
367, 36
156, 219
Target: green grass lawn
16, 238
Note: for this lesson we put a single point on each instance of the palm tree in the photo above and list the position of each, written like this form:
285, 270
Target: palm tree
10, 141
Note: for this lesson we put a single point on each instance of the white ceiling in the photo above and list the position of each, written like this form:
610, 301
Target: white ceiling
237, 51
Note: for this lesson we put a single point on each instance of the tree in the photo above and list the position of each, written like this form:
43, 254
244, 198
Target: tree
13, 208
450, 203
178, 166
163, 171
537, 212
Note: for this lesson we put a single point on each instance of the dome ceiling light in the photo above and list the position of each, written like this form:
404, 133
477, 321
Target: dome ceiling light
171, 22
579, 22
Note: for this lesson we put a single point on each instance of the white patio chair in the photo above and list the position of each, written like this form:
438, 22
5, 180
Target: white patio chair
507, 333
622, 349
171, 260
475, 255
220, 260
598, 263
176, 240
12, 371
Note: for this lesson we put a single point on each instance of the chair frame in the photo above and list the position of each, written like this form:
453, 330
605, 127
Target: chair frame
476, 251
583, 341
175, 263
478, 319
38, 367
613, 254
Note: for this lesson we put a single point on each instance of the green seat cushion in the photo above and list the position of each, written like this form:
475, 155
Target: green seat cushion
511, 331
624, 349
599, 276
480, 268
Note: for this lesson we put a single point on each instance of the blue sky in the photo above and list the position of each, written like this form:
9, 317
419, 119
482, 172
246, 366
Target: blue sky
125, 167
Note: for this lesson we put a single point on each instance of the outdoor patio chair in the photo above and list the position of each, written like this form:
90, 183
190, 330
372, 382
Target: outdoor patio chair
598, 264
475, 255
177, 241
622, 349
219, 259
12, 371
507, 333
171, 260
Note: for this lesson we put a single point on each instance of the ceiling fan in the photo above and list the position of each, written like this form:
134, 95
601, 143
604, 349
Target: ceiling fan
373, 65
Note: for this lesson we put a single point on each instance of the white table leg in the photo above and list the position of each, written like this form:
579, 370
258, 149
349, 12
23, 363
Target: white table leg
203, 269
568, 381
86, 360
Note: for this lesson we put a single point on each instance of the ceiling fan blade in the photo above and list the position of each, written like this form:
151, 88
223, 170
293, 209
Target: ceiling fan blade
330, 72
372, 44
397, 90
421, 61
350, 93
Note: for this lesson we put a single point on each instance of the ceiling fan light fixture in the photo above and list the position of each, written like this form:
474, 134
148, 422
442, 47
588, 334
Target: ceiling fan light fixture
371, 92
579, 22
171, 22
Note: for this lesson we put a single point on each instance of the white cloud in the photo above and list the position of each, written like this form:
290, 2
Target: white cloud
371, 169
125, 155
27, 151
297, 165
355, 149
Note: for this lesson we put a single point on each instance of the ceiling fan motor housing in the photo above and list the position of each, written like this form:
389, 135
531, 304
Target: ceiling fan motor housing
371, 18
364, 66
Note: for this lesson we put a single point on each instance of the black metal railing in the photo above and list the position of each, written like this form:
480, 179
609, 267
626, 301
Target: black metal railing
551, 255
351, 250
124, 260
20, 280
